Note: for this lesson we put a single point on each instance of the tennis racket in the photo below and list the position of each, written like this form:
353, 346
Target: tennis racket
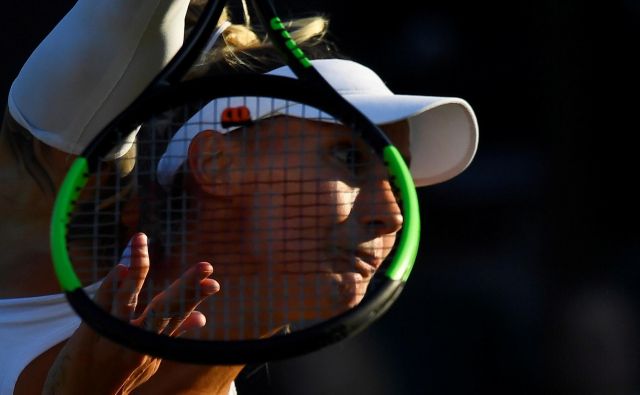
305, 209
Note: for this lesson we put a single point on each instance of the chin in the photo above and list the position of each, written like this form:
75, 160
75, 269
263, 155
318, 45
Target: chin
352, 289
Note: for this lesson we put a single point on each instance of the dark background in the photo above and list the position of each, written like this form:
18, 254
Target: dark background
526, 278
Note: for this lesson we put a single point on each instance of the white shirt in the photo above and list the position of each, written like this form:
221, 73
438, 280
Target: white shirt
31, 326
28, 328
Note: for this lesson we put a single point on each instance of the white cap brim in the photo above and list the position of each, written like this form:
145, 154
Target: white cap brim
443, 130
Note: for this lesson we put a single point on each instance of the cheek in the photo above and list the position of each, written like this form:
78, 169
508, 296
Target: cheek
292, 224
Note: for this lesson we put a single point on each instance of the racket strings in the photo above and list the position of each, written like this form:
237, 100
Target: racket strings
278, 229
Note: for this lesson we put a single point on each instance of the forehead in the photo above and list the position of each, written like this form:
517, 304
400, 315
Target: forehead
397, 132
284, 130
293, 130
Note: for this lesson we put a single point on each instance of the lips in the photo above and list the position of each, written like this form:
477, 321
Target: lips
360, 262
339, 261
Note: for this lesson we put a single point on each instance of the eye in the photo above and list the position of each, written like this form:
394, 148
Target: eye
349, 155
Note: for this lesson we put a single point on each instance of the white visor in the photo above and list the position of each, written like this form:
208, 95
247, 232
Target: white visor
443, 130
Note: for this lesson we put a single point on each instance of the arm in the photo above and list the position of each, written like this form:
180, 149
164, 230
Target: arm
89, 363
92, 65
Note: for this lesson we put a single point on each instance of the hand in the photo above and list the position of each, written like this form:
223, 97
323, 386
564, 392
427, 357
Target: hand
89, 363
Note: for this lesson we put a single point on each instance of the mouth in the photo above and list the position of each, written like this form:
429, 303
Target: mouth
354, 261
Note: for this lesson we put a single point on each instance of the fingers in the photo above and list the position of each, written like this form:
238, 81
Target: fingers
154, 322
104, 295
172, 310
195, 320
126, 295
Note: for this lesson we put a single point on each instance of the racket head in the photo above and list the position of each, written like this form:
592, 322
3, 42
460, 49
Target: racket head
290, 290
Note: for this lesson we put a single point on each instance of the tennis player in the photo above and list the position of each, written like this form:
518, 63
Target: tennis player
88, 69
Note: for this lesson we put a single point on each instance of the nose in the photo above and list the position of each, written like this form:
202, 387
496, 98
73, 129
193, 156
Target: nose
378, 209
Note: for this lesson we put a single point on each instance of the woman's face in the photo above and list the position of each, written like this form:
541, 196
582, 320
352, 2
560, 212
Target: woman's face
318, 215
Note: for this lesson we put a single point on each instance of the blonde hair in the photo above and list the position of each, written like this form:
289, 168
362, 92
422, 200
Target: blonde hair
243, 35
246, 46
20, 144
239, 38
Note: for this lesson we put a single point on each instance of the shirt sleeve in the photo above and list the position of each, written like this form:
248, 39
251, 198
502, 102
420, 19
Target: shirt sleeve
92, 65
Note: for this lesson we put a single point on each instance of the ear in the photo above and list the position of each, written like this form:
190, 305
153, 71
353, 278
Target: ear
209, 160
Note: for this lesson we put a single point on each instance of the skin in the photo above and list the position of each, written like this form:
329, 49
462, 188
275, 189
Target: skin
86, 349
317, 236
26, 270
80, 363
25, 209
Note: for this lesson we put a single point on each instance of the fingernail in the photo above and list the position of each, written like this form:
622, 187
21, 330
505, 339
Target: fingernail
209, 286
205, 267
